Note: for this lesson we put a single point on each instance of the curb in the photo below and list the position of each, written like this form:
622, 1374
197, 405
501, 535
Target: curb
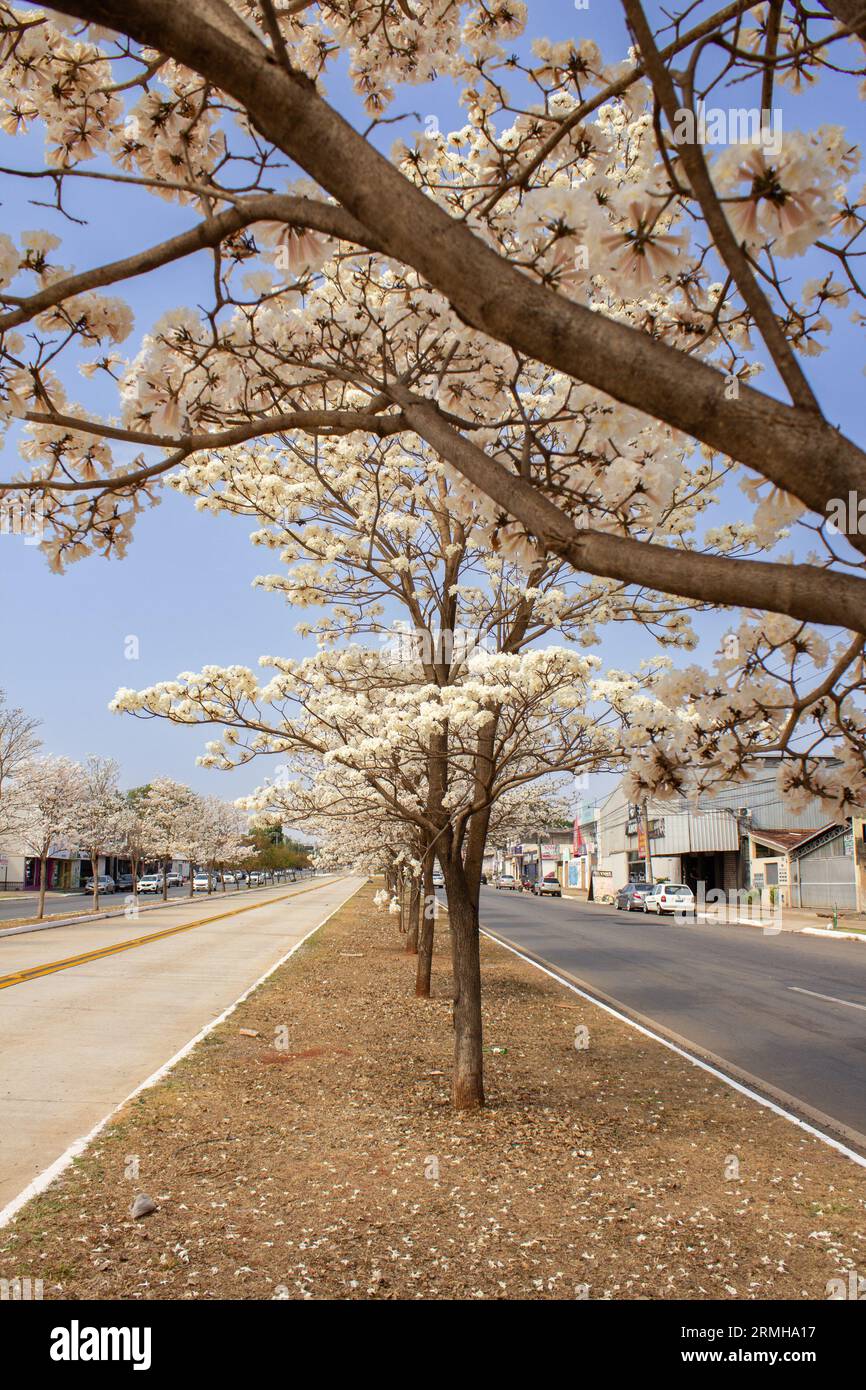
830, 935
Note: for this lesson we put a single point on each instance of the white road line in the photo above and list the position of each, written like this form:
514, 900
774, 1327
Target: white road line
831, 998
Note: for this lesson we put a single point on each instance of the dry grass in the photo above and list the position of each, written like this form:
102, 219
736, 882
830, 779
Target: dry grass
304, 1164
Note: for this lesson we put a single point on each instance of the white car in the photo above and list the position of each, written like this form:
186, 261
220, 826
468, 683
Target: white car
202, 883
228, 877
438, 878
150, 883
508, 881
669, 897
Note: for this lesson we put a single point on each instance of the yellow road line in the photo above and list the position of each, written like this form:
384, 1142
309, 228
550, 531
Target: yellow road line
34, 972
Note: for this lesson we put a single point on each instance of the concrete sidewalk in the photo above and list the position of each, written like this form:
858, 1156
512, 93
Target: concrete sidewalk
793, 919
75, 1042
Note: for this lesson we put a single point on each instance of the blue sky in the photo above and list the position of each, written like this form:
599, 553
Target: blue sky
184, 590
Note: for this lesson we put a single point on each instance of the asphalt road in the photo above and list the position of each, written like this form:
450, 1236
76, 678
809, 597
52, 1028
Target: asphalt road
18, 905
68, 904
730, 990
74, 1042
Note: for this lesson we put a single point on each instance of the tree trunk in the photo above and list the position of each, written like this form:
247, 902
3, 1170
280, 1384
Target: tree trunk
94, 864
164, 882
424, 966
404, 915
414, 916
43, 870
191, 880
467, 1084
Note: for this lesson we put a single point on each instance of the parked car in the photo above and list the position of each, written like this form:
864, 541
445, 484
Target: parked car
150, 883
483, 880
174, 879
669, 897
527, 884
509, 882
549, 885
106, 884
124, 882
203, 882
229, 877
631, 897
438, 878
256, 879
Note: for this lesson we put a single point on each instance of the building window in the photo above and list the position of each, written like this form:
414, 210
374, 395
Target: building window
636, 868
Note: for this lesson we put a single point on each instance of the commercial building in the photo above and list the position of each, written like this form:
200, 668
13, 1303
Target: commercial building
744, 838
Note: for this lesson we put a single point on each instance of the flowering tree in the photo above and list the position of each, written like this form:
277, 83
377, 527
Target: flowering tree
19, 744
542, 274
370, 544
350, 710
558, 309
134, 831
561, 299
189, 833
165, 807
221, 839
51, 789
97, 814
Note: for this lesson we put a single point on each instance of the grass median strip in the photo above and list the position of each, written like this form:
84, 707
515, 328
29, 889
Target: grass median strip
35, 972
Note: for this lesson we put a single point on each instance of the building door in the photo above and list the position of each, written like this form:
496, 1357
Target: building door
827, 879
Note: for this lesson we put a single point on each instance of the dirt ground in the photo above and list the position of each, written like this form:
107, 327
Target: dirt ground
321, 1158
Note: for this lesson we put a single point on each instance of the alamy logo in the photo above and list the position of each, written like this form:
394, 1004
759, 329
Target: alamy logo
20, 517
25, 1290
848, 514
734, 126
77, 1343
854, 1287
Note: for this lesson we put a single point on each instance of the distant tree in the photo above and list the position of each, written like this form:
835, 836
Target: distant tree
165, 806
51, 789
135, 831
18, 744
98, 813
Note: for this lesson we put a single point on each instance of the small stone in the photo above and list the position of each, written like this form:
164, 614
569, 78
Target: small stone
142, 1206
249, 1033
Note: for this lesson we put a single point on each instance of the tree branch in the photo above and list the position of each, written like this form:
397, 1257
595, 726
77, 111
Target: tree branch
800, 591
484, 288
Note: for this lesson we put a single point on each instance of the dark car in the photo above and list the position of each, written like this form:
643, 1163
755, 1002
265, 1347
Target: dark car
631, 897
484, 878
527, 884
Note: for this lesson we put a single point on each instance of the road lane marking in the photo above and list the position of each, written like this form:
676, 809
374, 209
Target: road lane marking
35, 972
831, 998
